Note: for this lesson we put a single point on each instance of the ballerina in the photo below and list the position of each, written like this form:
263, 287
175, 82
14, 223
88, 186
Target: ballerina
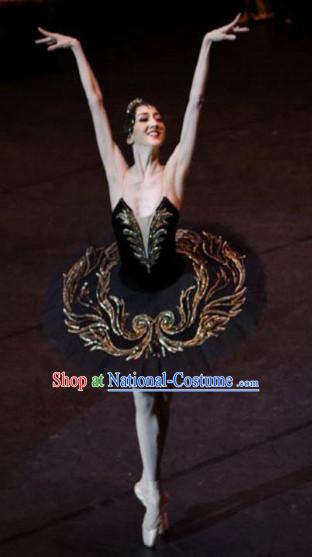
145, 200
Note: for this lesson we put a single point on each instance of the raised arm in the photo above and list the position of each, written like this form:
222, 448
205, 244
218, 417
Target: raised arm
182, 155
112, 158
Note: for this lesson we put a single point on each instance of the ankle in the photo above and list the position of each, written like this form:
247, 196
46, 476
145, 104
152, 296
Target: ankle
148, 482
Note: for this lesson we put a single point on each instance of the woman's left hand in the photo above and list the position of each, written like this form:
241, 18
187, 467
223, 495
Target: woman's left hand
227, 32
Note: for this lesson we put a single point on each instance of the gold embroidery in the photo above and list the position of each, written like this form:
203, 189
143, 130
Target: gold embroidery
157, 233
204, 305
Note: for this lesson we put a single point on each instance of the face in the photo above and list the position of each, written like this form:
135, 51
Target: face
149, 127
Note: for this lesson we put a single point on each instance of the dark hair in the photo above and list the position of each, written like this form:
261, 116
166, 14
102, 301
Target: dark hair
130, 114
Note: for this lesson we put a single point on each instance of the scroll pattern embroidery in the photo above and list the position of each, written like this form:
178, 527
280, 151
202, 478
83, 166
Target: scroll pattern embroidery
102, 321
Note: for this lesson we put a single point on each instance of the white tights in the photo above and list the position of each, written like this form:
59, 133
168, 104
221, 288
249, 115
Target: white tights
152, 419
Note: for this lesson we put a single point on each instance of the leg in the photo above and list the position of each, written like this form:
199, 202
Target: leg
152, 419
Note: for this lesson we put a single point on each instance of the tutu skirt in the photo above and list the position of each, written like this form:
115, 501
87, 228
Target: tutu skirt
101, 325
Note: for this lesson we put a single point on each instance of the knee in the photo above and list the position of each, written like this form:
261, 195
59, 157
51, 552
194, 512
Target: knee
144, 403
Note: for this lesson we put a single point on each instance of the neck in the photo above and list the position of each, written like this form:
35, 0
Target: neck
146, 161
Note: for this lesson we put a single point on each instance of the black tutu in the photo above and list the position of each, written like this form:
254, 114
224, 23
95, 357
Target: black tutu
100, 324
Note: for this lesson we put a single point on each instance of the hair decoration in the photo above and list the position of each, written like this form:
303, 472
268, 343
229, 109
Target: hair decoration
132, 104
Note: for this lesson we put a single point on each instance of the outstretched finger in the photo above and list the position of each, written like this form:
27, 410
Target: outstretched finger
229, 37
230, 26
45, 40
234, 22
45, 32
53, 47
241, 29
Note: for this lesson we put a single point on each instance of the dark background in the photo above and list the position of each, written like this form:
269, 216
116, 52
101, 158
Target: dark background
238, 467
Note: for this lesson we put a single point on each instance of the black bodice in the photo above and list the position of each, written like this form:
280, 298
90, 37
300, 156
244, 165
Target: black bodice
149, 260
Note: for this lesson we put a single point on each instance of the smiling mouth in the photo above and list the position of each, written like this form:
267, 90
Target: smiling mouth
154, 133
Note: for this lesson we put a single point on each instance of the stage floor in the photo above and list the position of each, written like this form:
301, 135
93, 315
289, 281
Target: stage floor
238, 467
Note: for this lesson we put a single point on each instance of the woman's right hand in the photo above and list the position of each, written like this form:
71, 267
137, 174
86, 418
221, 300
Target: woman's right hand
56, 40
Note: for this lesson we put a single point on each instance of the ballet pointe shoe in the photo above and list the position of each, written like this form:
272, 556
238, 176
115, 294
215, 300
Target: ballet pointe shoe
139, 492
155, 519
152, 517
